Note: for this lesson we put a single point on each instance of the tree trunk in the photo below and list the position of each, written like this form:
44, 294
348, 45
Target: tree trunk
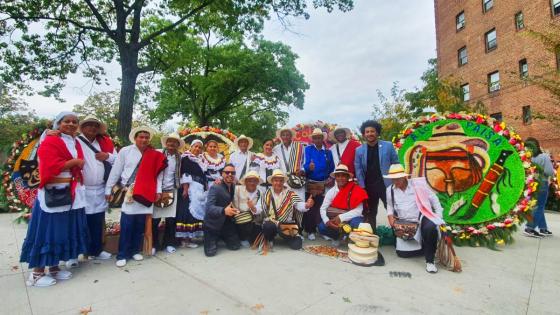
129, 73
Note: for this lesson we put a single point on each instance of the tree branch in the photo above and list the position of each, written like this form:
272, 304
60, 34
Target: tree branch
64, 20
135, 35
99, 18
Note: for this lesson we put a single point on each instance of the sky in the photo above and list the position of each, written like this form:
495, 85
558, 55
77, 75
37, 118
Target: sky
345, 57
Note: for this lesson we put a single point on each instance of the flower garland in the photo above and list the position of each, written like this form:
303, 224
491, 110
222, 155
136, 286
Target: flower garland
206, 130
11, 189
498, 231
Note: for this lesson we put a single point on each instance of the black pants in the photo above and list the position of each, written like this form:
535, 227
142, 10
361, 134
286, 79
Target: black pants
228, 234
312, 217
429, 233
270, 230
245, 231
375, 193
168, 233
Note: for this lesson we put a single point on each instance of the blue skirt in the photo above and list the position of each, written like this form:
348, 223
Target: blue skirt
54, 237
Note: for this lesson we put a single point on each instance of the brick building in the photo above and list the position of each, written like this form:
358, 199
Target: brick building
484, 44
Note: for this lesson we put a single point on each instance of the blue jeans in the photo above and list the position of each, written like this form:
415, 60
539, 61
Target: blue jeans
539, 220
96, 230
324, 230
132, 235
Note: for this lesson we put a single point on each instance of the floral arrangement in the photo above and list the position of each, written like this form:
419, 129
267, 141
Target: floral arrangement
206, 130
112, 228
498, 231
303, 131
556, 179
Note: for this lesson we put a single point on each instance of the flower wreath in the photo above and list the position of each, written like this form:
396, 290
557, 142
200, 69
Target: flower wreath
498, 231
15, 192
206, 130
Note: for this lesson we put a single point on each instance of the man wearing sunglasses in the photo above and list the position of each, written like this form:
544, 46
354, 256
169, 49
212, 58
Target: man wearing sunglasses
218, 220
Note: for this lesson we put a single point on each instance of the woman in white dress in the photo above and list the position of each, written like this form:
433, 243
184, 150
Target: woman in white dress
266, 162
215, 162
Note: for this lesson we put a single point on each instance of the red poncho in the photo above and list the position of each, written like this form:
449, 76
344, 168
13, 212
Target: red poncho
145, 185
348, 155
53, 154
105, 144
349, 197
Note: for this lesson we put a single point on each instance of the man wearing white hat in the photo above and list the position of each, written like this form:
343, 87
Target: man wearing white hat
410, 202
166, 206
137, 167
247, 200
344, 147
99, 156
318, 166
242, 157
291, 154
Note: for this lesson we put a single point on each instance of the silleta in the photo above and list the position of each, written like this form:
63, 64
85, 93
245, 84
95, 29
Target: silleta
482, 131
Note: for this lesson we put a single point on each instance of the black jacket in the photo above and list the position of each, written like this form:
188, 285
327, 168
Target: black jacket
219, 197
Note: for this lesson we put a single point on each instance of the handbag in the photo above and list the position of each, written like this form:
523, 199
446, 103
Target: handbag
315, 188
446, 255
106, 165
243, 217
58, 197
167, 199
289, 229
404, 229
335, 212
120, 191
296, 181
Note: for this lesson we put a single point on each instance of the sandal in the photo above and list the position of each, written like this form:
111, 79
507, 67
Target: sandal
58, 274
40, 279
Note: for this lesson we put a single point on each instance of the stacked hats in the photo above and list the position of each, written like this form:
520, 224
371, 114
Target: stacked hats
364, 250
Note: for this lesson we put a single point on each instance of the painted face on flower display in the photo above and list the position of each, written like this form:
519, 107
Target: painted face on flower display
286, 137
243, 145
69, 125
212, 148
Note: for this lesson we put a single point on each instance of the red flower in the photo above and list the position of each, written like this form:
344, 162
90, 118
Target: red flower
508, 221
490, 227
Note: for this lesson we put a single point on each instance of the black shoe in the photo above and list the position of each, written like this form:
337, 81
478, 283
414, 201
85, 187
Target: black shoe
210, 247
545, 232
532, 233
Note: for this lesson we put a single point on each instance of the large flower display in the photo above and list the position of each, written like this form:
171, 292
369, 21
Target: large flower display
478, 168
224, 138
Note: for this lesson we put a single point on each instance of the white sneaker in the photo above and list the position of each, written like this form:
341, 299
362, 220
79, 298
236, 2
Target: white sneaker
245, 244
191, 245
61, 274
311, 236
41, 281
170, 249
138, 257
121, 263
431, 268
72, 263
103, 256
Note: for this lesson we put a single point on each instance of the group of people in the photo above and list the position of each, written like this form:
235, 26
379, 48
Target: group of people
290, 190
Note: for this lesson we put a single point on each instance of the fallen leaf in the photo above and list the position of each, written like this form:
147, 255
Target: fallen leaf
347, 300
257, 307
458, 290
204, 312
85, 311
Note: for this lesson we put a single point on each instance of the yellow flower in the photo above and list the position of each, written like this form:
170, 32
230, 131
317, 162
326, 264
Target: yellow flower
500, 242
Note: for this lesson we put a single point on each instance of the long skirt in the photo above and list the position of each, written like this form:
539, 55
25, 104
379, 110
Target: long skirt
187, 225
54, 237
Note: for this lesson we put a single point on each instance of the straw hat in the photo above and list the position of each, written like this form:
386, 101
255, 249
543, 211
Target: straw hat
318, 132
396, 171
364, 228
136, 130
279, 131
342, 169
346, 130
243, 137
93, 119
251, 174
173, 136
276, 173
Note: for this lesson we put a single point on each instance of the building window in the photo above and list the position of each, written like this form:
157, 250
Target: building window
556, 7
519, 22
497, 116
523, 69
487, 5
494, 82
527, 118
462, 56
460, 20
466, 92
491, 40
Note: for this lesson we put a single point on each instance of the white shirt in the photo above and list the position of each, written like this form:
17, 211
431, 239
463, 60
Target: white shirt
240, 160
80, 193
278, 198
287, 152
341, 148
167, 176
93, 168
125, 164
242, 196
344, 217
405, 202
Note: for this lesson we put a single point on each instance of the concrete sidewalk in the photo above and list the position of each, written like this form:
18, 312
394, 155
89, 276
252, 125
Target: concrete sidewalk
521, 279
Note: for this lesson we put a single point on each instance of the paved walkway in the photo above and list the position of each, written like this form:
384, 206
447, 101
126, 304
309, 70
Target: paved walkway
521, 279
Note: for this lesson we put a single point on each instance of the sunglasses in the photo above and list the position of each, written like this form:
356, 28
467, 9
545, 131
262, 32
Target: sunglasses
229, 172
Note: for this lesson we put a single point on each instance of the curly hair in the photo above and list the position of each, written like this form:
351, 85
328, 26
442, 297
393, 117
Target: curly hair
370, 123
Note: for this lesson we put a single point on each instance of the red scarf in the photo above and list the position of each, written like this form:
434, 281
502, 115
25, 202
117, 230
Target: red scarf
347, 157
53, 154
145, 185
358, 196
105, 143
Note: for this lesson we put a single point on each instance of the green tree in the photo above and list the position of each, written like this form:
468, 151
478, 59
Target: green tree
207, 79
47, 40
15, 120
393, 112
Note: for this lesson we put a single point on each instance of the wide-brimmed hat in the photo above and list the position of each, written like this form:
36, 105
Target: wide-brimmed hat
346, 130
136, 130
276, 173
318, 132
342, 169
93, 119
243, 137
251, 174
364, 228
396, 171
279, 131
175, 137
